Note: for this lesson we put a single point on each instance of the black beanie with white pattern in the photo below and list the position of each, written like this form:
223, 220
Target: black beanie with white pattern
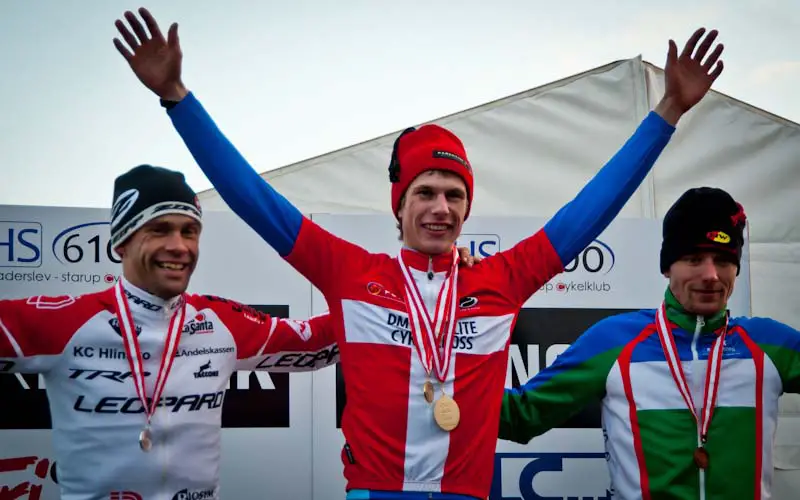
146, 192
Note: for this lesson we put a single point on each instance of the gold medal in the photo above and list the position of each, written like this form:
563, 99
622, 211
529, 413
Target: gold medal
427, 391
446, 413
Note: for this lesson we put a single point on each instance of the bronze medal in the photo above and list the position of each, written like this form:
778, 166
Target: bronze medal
701, 457
427, 391
446, 413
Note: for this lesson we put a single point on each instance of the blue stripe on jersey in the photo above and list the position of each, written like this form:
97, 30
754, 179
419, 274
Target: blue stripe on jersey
271, 215
767, 331
582, 220
650, 349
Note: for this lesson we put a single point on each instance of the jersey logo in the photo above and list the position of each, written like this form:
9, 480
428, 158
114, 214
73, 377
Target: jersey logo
205, 371
142, 302
248, 312
185, 494
379, 290
198, 325
467, 302
300, 328
114, 322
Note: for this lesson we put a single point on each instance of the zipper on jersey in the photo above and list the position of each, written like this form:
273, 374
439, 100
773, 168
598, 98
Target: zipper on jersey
430, 269
695, 373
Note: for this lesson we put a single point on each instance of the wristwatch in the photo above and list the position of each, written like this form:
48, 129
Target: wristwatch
168, 104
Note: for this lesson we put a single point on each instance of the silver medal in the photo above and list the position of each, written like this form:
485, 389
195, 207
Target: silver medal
145, 440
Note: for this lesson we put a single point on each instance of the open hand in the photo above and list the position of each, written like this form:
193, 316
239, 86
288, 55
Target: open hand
154, 60
689, 76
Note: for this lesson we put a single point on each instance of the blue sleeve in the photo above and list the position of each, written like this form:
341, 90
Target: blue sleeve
268, 213
583, 219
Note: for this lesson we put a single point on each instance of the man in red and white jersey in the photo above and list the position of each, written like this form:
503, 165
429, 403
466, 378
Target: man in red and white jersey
107, 356
424, 345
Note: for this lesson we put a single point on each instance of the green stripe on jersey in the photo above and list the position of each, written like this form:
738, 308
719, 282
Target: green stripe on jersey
787, 361
669, 438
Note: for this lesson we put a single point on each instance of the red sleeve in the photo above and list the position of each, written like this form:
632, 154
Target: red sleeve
325, 259
35, 330
296, 346
525, 267
262, 339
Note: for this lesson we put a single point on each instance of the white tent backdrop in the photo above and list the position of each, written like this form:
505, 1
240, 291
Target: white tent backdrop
531, 152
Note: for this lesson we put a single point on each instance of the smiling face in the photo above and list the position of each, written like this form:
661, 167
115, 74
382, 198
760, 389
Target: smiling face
161, 256
432, 212
703, 282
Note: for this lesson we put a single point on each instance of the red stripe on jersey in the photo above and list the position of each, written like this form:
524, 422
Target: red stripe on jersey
758, 360
44, 325
624, 361
376, 384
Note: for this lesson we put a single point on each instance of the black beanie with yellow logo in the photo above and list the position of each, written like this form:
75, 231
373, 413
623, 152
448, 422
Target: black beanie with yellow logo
703, 219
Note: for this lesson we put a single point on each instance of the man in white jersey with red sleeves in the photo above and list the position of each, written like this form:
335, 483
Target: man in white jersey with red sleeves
107, 356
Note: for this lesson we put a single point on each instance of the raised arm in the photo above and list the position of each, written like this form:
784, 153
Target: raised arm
688, 77
534, 261
314, 252
250, 197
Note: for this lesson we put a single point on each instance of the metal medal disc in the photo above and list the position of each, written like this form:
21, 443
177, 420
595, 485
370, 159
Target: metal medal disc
427, 391
701, 457
145, 440
446, 413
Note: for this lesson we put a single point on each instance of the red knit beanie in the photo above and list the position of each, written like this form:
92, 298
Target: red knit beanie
429, 147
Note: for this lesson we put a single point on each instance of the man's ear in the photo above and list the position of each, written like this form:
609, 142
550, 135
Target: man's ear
120, 250
402, 206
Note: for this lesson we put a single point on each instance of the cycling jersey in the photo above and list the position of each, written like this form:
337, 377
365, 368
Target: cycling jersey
76, 344
651, 433
393, 443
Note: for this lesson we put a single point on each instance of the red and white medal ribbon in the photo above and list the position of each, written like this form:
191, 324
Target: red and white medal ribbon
712, 371
424, 329
134, 353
